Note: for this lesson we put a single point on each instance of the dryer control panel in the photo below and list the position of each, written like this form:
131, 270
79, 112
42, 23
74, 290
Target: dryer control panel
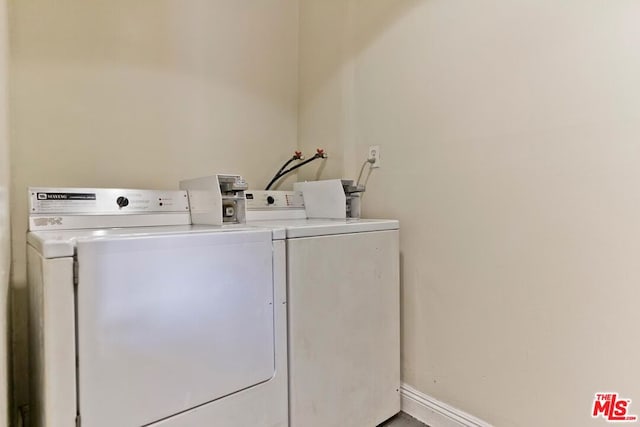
66, 208
105, 201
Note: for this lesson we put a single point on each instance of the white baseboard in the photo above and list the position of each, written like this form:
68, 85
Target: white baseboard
434, 413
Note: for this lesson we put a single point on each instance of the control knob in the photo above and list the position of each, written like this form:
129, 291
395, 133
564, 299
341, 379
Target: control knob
122, 202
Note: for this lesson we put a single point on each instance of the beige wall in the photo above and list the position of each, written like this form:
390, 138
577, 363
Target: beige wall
324, 119
509, 141
5, 257
141, 94
509, 136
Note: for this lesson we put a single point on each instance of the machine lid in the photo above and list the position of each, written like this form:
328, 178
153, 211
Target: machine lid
62, 243
326, 227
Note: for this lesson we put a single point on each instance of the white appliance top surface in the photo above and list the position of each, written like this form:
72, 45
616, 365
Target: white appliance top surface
62, 243
325, 227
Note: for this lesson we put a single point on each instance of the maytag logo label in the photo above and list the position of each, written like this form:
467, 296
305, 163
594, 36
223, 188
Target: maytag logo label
42, 222
612, 408
66, 196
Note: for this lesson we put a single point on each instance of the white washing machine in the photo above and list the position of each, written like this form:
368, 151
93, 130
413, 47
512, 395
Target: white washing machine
155, 322
344, 313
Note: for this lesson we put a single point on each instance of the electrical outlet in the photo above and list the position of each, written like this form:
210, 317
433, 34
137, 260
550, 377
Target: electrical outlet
374, 153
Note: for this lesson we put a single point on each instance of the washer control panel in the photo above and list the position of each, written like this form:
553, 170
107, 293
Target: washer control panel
266, 200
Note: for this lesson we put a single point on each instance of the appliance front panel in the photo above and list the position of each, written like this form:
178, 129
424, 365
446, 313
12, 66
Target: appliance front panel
170, 322
344, 329
265, 404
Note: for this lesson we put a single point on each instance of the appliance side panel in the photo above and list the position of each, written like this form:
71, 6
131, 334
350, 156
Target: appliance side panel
344, 329
52, 357
280, 416
280, 296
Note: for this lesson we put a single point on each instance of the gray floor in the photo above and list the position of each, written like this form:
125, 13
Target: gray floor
402, 420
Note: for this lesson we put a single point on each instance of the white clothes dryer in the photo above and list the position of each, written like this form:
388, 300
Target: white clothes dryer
138, 318
343, 295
